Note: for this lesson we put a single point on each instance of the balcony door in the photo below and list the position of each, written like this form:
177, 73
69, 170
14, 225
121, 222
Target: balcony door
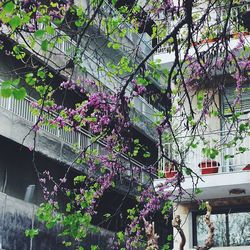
235, 105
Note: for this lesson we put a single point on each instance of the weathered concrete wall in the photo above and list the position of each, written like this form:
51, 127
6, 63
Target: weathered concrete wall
9, 66
16, 216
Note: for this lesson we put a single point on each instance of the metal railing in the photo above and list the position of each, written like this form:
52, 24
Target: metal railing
68, 46
216, 17
230, 157
81, 137
107, 9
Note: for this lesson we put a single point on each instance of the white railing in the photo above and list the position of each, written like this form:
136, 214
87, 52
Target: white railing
141, 105
68, 46
216, 17
108, 9
81, 138
228, 159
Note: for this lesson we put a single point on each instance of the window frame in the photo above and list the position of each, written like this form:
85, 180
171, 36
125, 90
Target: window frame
224, 98
218, 210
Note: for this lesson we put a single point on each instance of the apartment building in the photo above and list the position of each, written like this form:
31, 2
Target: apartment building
224, 179
20, 189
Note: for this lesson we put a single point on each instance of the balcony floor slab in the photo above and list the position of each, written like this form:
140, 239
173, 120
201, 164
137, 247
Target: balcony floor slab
215, 186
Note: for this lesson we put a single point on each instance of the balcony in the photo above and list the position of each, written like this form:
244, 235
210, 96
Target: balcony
226, 175
205, 38
79, 139
64, 50
92, 65
134, 38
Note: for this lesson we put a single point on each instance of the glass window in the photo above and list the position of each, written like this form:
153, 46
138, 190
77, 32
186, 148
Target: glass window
220, 232
232, 228
239, 229
239, 102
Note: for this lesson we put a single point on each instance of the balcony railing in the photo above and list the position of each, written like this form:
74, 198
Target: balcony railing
136, 38
234, 158
68, 46
81, 137
216, 17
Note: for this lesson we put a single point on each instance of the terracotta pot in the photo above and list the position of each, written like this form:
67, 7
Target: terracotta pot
170, 171
209, 40
247, 167
235, 35
209, 167
238, 34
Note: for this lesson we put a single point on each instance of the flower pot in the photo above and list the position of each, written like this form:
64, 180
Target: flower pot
170, 171
209, 40
247, 167
209, 167
236, 35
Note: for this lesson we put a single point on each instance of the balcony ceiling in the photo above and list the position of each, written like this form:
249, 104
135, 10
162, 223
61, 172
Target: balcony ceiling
216, 186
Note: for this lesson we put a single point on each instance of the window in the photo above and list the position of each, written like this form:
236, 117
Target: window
232, 227
230, 99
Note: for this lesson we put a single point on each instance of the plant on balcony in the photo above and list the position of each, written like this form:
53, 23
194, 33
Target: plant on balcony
88, 80
170, 170
239, 34
209, 166
247, 167
209, 35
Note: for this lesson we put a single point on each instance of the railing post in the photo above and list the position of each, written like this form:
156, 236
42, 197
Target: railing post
9, 103
58, 131
79, 139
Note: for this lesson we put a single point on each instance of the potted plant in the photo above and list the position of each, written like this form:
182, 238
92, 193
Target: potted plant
247, 167
209, 166
170, 171
236, 35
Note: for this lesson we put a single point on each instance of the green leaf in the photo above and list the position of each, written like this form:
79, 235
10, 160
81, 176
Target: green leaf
188, 171
169, 237
9, 7
228, 157
107, 215
116, 46
31, 233
242, 149
19, 94
29, 79
198, 191
39, 33
50, 30
110, 44
79, 179
15, 22
45, 45
6, 84
67, 243
68, 207
202, 206
41, 73
120, 236
6, 92
15, 82
146, 155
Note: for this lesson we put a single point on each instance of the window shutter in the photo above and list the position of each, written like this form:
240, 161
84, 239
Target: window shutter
244, 103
